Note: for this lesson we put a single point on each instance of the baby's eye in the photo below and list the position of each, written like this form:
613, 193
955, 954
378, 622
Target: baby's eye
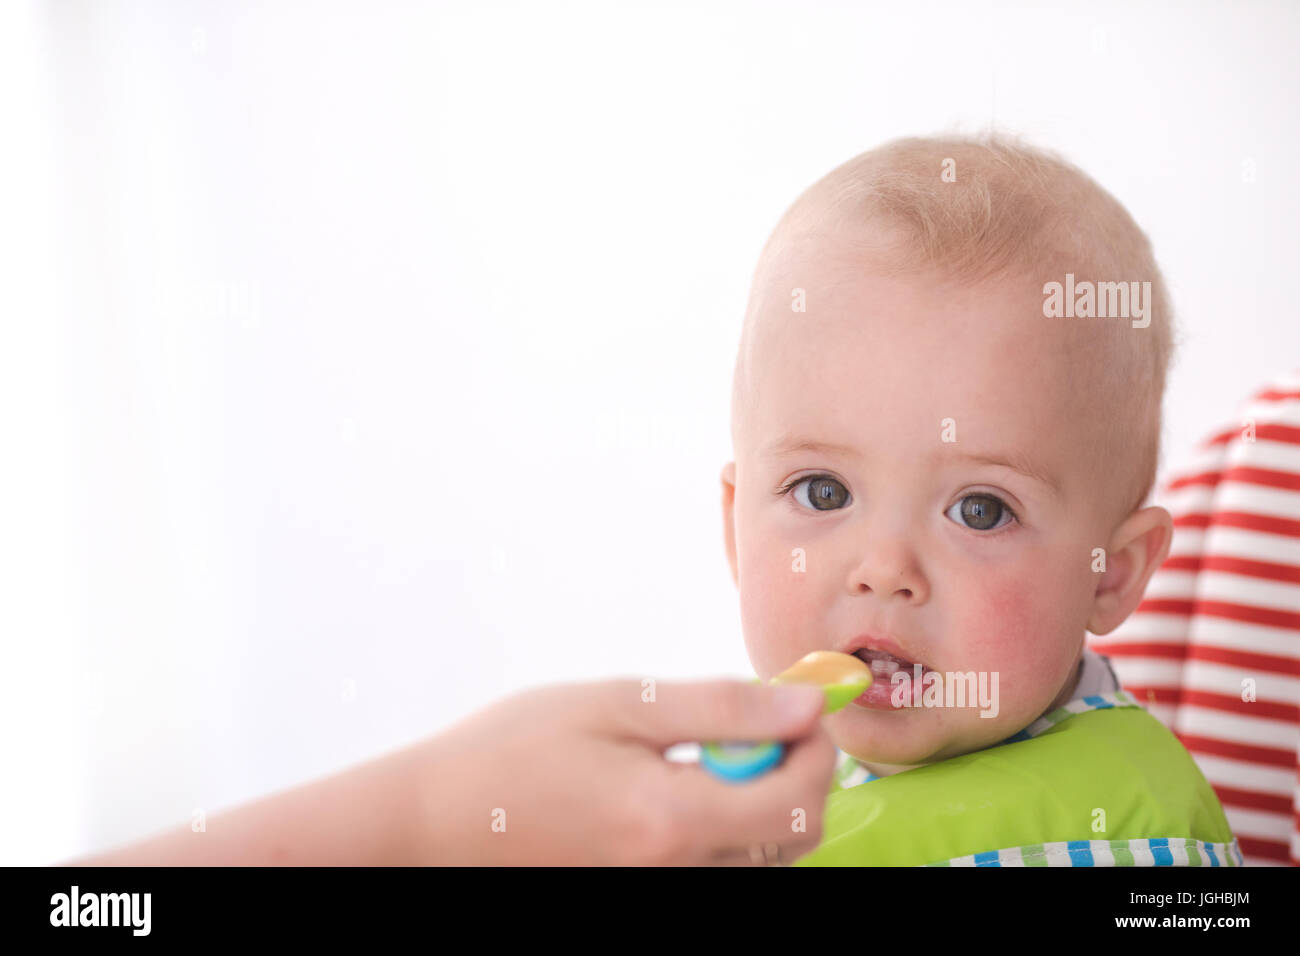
981, 512
820, 492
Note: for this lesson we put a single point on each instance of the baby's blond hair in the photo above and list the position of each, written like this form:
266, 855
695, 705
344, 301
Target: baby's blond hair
976, 207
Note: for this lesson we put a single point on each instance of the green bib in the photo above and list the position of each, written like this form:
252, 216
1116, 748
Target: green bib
1098, 782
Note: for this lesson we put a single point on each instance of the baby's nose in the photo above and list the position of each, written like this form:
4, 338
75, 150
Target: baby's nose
889, 572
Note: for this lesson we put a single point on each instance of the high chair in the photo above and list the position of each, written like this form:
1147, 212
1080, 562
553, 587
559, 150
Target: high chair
1214, 647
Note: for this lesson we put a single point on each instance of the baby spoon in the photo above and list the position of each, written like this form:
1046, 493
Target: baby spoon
842, 677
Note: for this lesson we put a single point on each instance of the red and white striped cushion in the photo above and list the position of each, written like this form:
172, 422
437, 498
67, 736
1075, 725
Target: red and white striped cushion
1223, 608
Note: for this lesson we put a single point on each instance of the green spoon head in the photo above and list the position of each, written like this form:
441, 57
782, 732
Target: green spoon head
838, 696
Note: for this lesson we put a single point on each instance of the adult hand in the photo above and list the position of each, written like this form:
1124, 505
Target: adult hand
575, 774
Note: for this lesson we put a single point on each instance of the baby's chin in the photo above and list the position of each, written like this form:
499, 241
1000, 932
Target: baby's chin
914, 736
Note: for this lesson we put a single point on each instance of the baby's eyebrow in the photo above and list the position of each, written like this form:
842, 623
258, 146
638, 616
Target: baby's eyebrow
1018, 464
788, 446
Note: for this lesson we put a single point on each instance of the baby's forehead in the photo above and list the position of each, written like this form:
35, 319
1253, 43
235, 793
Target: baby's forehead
900, 362
842, 311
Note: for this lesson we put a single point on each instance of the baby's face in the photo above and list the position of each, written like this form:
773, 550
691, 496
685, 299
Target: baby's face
942, 547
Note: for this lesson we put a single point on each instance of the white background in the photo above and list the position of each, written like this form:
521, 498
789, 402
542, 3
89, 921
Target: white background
364, 362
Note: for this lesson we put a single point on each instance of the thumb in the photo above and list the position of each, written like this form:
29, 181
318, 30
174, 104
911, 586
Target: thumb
726, 710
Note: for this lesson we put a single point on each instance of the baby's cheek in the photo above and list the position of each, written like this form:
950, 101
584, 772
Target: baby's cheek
779, 610
1020, 636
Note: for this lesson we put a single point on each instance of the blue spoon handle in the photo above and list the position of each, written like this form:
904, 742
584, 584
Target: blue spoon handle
738, 762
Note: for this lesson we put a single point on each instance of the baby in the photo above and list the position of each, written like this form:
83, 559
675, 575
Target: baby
946, 418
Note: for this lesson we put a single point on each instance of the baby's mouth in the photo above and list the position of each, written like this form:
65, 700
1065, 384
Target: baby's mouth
884, 665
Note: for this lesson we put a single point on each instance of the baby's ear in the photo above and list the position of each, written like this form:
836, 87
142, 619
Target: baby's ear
1138, 547
729, 516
